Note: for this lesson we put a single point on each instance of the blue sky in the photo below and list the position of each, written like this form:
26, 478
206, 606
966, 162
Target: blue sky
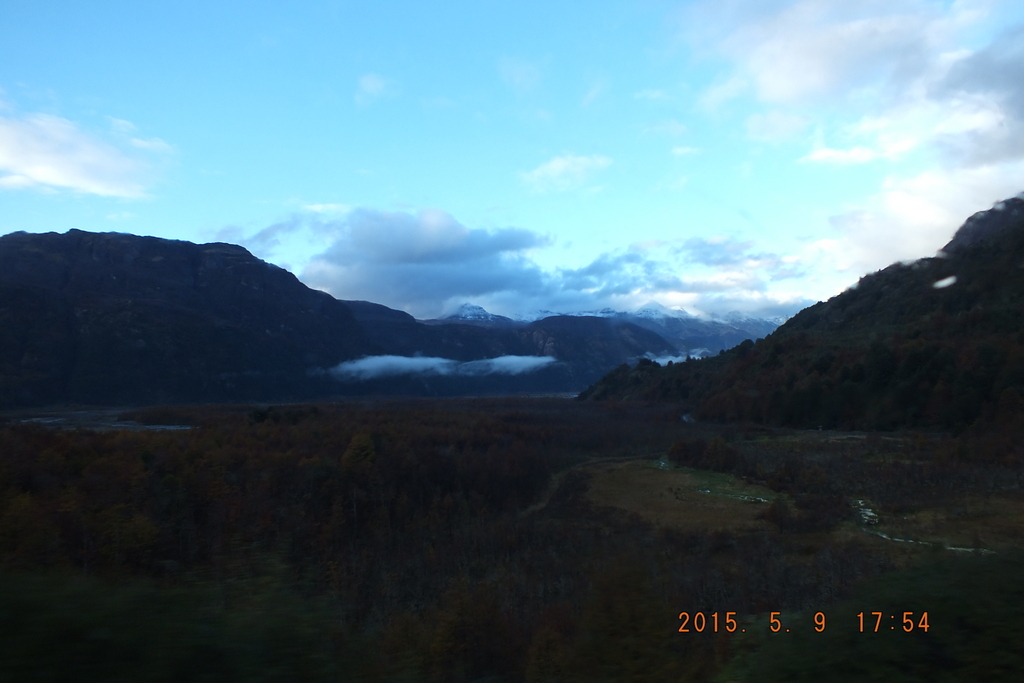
736, 155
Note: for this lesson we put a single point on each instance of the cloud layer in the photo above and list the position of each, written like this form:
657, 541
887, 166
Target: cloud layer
911, 102
566, 172
427, 263
419, 261
373, 367
897, 83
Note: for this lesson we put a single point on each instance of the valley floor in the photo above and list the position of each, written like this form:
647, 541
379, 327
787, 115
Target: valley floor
518, 539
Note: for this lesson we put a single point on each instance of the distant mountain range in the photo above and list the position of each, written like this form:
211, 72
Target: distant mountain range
937, 343
110, 318
689, 334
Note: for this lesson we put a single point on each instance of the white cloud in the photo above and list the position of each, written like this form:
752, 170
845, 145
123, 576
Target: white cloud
126, 130
919, 88
899, 70
17, 182
373, 367
815, 48
881, 55
914, 217
506, 365
566, 172
371, 87
48, 152
152, 145
964, 129
684, 151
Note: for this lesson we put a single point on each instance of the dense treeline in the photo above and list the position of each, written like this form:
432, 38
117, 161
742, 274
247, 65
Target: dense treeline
298, 479
892, 352
443, 541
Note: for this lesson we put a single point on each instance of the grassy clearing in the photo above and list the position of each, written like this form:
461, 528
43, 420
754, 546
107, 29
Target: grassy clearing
682, 498
995, 522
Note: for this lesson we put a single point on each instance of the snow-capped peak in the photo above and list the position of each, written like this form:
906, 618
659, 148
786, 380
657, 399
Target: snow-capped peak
603, 313
531, 316
652, 309
471, 312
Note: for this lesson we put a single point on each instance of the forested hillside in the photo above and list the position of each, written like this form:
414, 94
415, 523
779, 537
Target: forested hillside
937, 343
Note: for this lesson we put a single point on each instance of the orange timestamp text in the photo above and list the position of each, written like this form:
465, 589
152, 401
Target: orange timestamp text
714, 622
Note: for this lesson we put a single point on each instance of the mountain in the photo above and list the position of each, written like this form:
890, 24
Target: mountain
475, 315
588, 343
585, 346
687, 334
691, 335
987, 224
116, 318
112, 318
698, 336
935, 343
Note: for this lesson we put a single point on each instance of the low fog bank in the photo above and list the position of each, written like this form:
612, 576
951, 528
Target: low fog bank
693, 353
373, 367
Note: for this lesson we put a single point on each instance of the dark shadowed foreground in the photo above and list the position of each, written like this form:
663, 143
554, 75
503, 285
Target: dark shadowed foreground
501, 540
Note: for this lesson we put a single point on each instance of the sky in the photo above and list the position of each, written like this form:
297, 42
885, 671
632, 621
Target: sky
749, 156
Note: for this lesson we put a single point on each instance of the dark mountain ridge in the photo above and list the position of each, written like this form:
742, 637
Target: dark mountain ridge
935, 343
688, 334
120, 319
114, 318
697, 336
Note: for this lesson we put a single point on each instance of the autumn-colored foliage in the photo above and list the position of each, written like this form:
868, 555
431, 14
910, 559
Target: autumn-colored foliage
424, 540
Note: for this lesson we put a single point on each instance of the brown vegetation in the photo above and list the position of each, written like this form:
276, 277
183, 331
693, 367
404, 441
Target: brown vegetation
457, 540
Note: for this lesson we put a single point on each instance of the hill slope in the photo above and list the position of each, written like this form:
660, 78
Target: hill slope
938, 342
113, 318
119, 319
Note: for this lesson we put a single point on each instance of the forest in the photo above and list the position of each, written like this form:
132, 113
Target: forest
934, 344
504, 539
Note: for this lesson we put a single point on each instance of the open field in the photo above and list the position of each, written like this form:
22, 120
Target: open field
682, 499
994, 522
